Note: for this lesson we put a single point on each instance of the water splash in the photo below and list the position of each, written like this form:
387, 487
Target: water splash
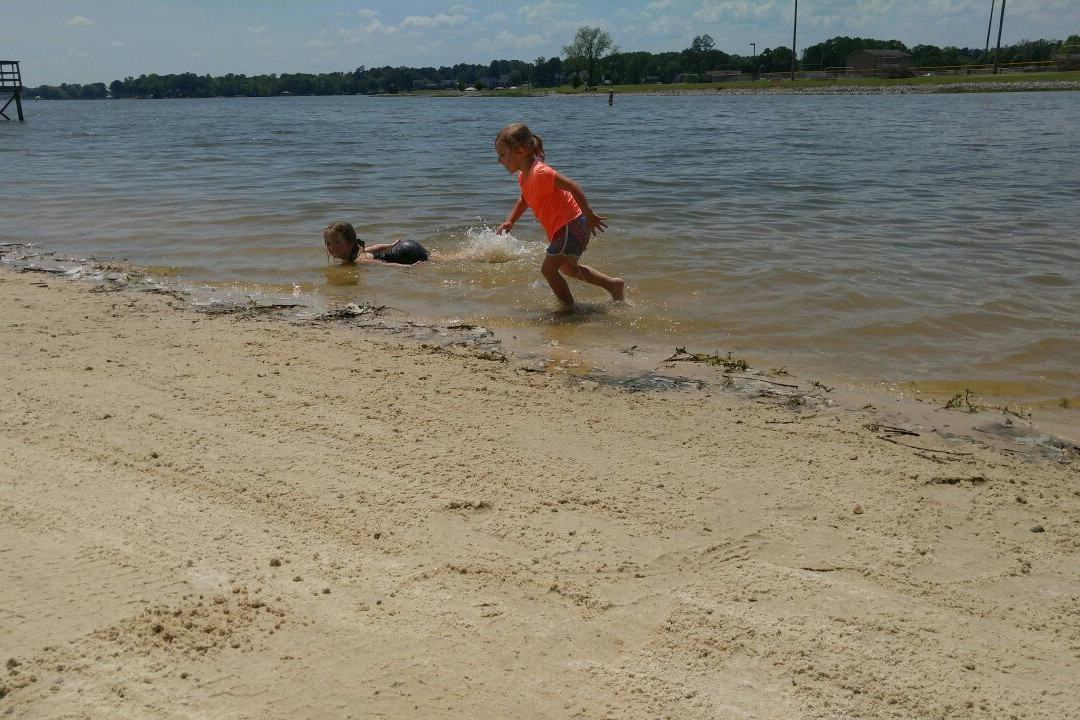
483, 244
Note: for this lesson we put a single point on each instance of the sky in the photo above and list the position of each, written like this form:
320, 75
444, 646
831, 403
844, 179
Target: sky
85, 41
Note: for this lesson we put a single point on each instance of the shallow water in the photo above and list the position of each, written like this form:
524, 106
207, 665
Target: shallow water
929, 241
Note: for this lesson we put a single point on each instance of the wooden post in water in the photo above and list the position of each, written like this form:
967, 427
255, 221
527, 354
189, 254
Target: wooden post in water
11, 81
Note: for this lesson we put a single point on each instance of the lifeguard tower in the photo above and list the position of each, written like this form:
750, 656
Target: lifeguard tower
11, 82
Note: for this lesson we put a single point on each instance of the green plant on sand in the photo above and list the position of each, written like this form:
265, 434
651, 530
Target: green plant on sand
727, 362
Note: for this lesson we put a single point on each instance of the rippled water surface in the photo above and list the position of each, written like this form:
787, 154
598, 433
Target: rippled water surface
929, 239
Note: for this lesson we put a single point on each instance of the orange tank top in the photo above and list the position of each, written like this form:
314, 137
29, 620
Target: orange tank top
551, 206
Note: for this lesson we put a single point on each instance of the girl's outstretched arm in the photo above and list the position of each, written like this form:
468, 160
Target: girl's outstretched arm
380, 246
519, 209
596, 222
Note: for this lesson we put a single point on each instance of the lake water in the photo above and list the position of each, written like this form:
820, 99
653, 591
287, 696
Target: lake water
926, 242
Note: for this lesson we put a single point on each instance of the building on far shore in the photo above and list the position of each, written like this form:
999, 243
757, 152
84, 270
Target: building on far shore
725, 75
886, 63
1067, 61
710, 76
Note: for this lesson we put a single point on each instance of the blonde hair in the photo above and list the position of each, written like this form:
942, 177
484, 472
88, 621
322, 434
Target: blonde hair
345, 230
517, 135
347, 233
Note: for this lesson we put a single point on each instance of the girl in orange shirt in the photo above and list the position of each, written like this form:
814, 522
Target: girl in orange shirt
560, 206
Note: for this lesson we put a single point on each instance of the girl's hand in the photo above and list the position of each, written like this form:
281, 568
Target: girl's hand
504, 228
596, 223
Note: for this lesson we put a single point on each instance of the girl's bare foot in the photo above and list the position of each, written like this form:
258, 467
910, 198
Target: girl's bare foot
618, 289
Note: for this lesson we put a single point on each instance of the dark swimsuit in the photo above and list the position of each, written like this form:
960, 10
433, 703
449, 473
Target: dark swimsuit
406, 252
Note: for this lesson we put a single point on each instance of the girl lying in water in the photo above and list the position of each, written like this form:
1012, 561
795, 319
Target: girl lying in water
343, 243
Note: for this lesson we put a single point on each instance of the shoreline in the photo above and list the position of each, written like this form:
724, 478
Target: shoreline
726, 88
229, 514
989, 425
937, 89
975, 86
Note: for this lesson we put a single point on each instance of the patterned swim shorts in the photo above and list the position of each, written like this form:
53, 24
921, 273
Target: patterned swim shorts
571, 239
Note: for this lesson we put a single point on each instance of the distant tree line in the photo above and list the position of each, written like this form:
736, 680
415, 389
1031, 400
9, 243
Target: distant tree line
833, 53
617, 67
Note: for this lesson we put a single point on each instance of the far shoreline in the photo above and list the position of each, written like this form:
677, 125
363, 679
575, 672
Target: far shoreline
936, 85
798, 87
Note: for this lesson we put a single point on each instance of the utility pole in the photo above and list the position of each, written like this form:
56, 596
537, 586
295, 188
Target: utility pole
795, 33
1001, 21
989, 25
753, 63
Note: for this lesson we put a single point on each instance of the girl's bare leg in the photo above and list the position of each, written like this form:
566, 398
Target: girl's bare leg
615, 286
558, 284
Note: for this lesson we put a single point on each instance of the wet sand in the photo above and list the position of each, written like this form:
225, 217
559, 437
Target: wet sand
239, 515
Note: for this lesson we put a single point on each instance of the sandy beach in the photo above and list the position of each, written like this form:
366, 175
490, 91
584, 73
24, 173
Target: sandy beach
238, 516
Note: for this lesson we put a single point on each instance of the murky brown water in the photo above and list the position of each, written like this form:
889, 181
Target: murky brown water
927, 243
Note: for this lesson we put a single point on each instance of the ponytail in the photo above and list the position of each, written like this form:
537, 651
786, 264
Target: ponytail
518, 135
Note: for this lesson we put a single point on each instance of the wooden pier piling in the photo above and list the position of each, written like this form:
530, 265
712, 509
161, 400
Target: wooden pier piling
11, 81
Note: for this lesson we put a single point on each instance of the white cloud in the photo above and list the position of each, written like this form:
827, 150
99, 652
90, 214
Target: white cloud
80, 21
367, 14
442, 20
715, 10
544, 11
375, 27
1045, 6
947, 7
509, 44
256, 30
665, 25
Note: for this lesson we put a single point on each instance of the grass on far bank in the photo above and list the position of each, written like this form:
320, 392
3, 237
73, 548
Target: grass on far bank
983, 83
